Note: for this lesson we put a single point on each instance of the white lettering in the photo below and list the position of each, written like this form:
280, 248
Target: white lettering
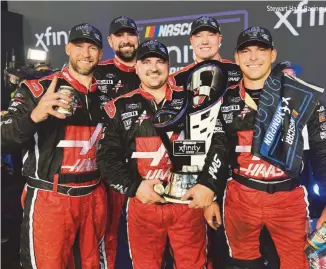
213, 169
54, 41
298, 11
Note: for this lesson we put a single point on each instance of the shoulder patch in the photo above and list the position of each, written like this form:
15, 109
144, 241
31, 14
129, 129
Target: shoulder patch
176, 88
110, 107
34, 86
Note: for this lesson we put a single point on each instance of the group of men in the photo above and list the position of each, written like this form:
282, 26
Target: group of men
82, 167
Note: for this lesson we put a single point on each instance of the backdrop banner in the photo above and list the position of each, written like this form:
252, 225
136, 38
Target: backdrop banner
298, 28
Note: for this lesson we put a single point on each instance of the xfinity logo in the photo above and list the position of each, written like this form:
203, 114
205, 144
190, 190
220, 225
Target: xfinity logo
299, 12
49, 38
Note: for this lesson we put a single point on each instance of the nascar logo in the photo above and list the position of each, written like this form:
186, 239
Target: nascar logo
179, 29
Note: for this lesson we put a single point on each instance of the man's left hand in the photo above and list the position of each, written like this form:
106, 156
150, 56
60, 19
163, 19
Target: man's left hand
201, 195
322, 219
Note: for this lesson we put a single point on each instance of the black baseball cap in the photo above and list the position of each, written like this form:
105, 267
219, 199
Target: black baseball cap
152, 48
122, 23
254, 35
86, 31
203, 23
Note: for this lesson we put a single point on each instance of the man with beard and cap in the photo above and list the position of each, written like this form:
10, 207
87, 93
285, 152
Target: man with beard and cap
56, 121
115, 77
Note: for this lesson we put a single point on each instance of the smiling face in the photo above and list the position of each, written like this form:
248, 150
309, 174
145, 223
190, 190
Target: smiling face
83, 56
255, 62
206, 45
124, 44
153, 72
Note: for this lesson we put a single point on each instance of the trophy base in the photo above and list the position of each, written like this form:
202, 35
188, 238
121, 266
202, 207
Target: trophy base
179, 201
176, 200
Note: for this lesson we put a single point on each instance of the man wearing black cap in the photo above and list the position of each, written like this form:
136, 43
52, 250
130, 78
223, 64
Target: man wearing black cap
56, 120
132, 159
205, 39
262, 191
116, 77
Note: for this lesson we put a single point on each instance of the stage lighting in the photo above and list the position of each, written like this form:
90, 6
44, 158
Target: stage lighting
36, 55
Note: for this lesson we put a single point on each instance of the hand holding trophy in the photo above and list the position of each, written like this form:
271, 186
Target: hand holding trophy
203, 90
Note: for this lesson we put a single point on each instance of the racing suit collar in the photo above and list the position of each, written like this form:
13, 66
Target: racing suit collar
122, 66
147, 95
75, 83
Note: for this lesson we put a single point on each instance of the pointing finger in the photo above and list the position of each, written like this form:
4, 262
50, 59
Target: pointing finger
52, 86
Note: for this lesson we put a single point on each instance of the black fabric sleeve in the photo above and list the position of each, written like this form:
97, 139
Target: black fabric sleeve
216, 169
111, 160
17, 127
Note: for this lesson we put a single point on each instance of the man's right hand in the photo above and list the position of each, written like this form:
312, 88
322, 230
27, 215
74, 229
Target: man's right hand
212, 215
146, 193
50, 99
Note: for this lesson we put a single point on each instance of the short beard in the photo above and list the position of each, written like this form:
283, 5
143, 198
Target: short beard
81, 71
126, 56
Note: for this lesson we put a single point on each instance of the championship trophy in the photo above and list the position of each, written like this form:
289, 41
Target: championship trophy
203, 90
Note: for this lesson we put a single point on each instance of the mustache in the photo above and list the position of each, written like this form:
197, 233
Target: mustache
86, 59
156, 72
126, 45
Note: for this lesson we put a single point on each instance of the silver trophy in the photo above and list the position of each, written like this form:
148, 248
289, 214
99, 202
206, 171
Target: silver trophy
203, 91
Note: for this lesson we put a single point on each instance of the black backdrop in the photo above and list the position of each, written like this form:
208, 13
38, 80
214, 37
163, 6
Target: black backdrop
11, 39
300, 36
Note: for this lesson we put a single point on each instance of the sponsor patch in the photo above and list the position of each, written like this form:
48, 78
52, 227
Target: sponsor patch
103, 88
130, 107
323, 135
234, 99
105, 82
228, 118
323, 126
129, 115
127, 124
244, 111
142, 117
230, 108
177, 102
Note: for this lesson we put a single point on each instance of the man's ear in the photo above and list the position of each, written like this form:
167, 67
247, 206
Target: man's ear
236, 58
110, 40
274, 55
136, 69
68, 48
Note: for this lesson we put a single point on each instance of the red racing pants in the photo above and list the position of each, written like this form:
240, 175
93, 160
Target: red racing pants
51, 222
284, 213
149, 225
116, 202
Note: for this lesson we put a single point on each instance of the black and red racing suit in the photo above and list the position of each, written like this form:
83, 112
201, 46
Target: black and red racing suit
179, 78
63, 195
114, 79
131, 151
259, 193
